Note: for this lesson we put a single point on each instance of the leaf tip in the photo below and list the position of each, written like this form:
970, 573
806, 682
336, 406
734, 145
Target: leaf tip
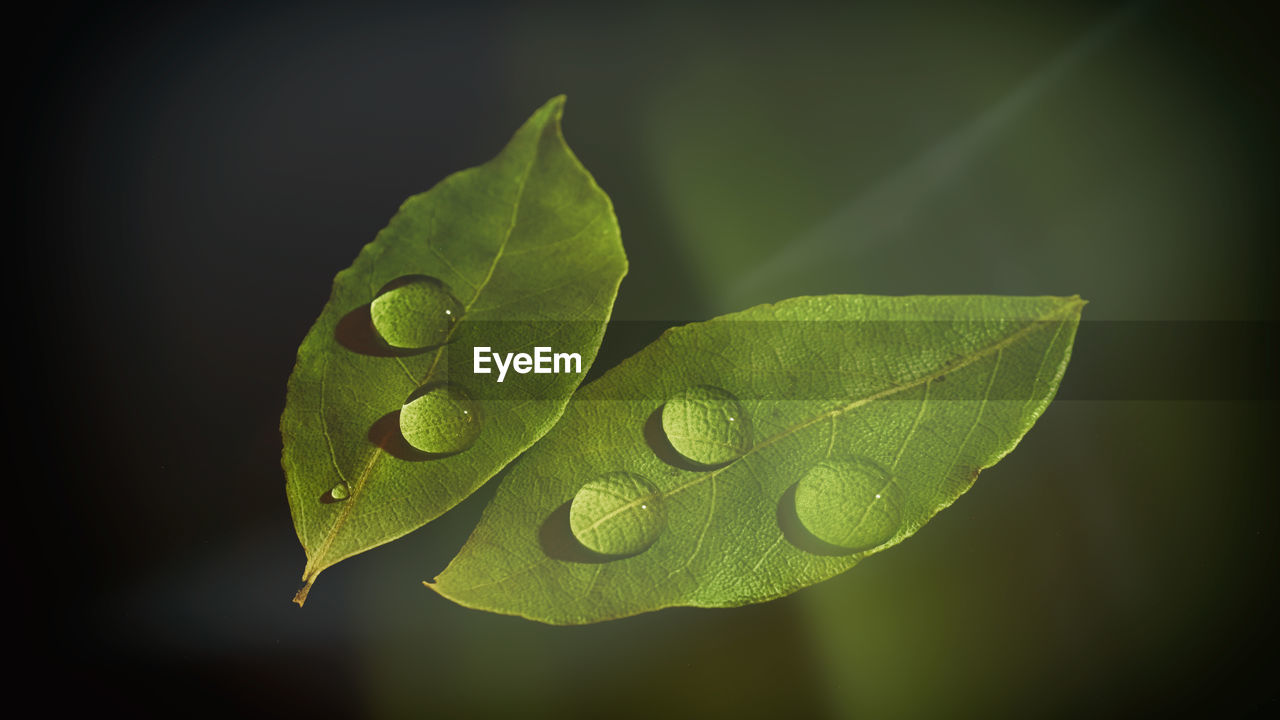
555, 107
433, 586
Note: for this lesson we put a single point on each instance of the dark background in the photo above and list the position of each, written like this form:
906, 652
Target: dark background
189, 181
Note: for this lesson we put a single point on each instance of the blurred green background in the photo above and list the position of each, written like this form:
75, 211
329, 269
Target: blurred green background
191, 180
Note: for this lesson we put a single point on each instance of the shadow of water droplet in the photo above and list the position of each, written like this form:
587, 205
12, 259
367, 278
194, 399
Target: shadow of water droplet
355, 332
656, 438
557, 540
327, 498
796, 533
385, 433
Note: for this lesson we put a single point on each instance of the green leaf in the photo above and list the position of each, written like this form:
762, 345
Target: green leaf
520, 252
863, 416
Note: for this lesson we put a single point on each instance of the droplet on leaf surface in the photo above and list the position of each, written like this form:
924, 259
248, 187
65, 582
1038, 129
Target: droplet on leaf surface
618, 513
854, 505
415, 312
440, 420
707, 425
337, 493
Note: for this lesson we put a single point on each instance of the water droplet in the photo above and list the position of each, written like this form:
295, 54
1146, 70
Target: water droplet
440, 420
707, 425
853, 505
337, 493
618, 513
414, 312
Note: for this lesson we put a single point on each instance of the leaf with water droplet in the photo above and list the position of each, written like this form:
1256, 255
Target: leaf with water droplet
385, 425
867, 415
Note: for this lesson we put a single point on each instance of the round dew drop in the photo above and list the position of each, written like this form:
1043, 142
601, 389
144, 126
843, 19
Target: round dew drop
415, 312
618, 513
441, 420
707, 425
853, 505
339, 492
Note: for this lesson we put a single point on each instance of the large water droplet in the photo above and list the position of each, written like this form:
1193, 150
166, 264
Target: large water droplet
440, 420
707, 425
618, 513
414, 312
853, 505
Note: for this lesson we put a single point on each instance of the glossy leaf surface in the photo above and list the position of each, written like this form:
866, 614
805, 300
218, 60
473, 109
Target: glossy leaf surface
523, 251
905, 398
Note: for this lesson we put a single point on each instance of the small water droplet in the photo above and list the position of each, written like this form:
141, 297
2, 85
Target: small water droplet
440, 420
707, 425
618, 513
337, 493
855, 505
415, 312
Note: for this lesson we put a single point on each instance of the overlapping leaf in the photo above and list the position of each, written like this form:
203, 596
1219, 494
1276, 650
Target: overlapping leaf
929, 390
529, 246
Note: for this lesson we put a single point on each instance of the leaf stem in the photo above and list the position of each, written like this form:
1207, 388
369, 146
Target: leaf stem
301, 596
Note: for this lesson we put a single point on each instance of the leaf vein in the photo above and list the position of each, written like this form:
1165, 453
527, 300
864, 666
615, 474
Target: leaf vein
914, 425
